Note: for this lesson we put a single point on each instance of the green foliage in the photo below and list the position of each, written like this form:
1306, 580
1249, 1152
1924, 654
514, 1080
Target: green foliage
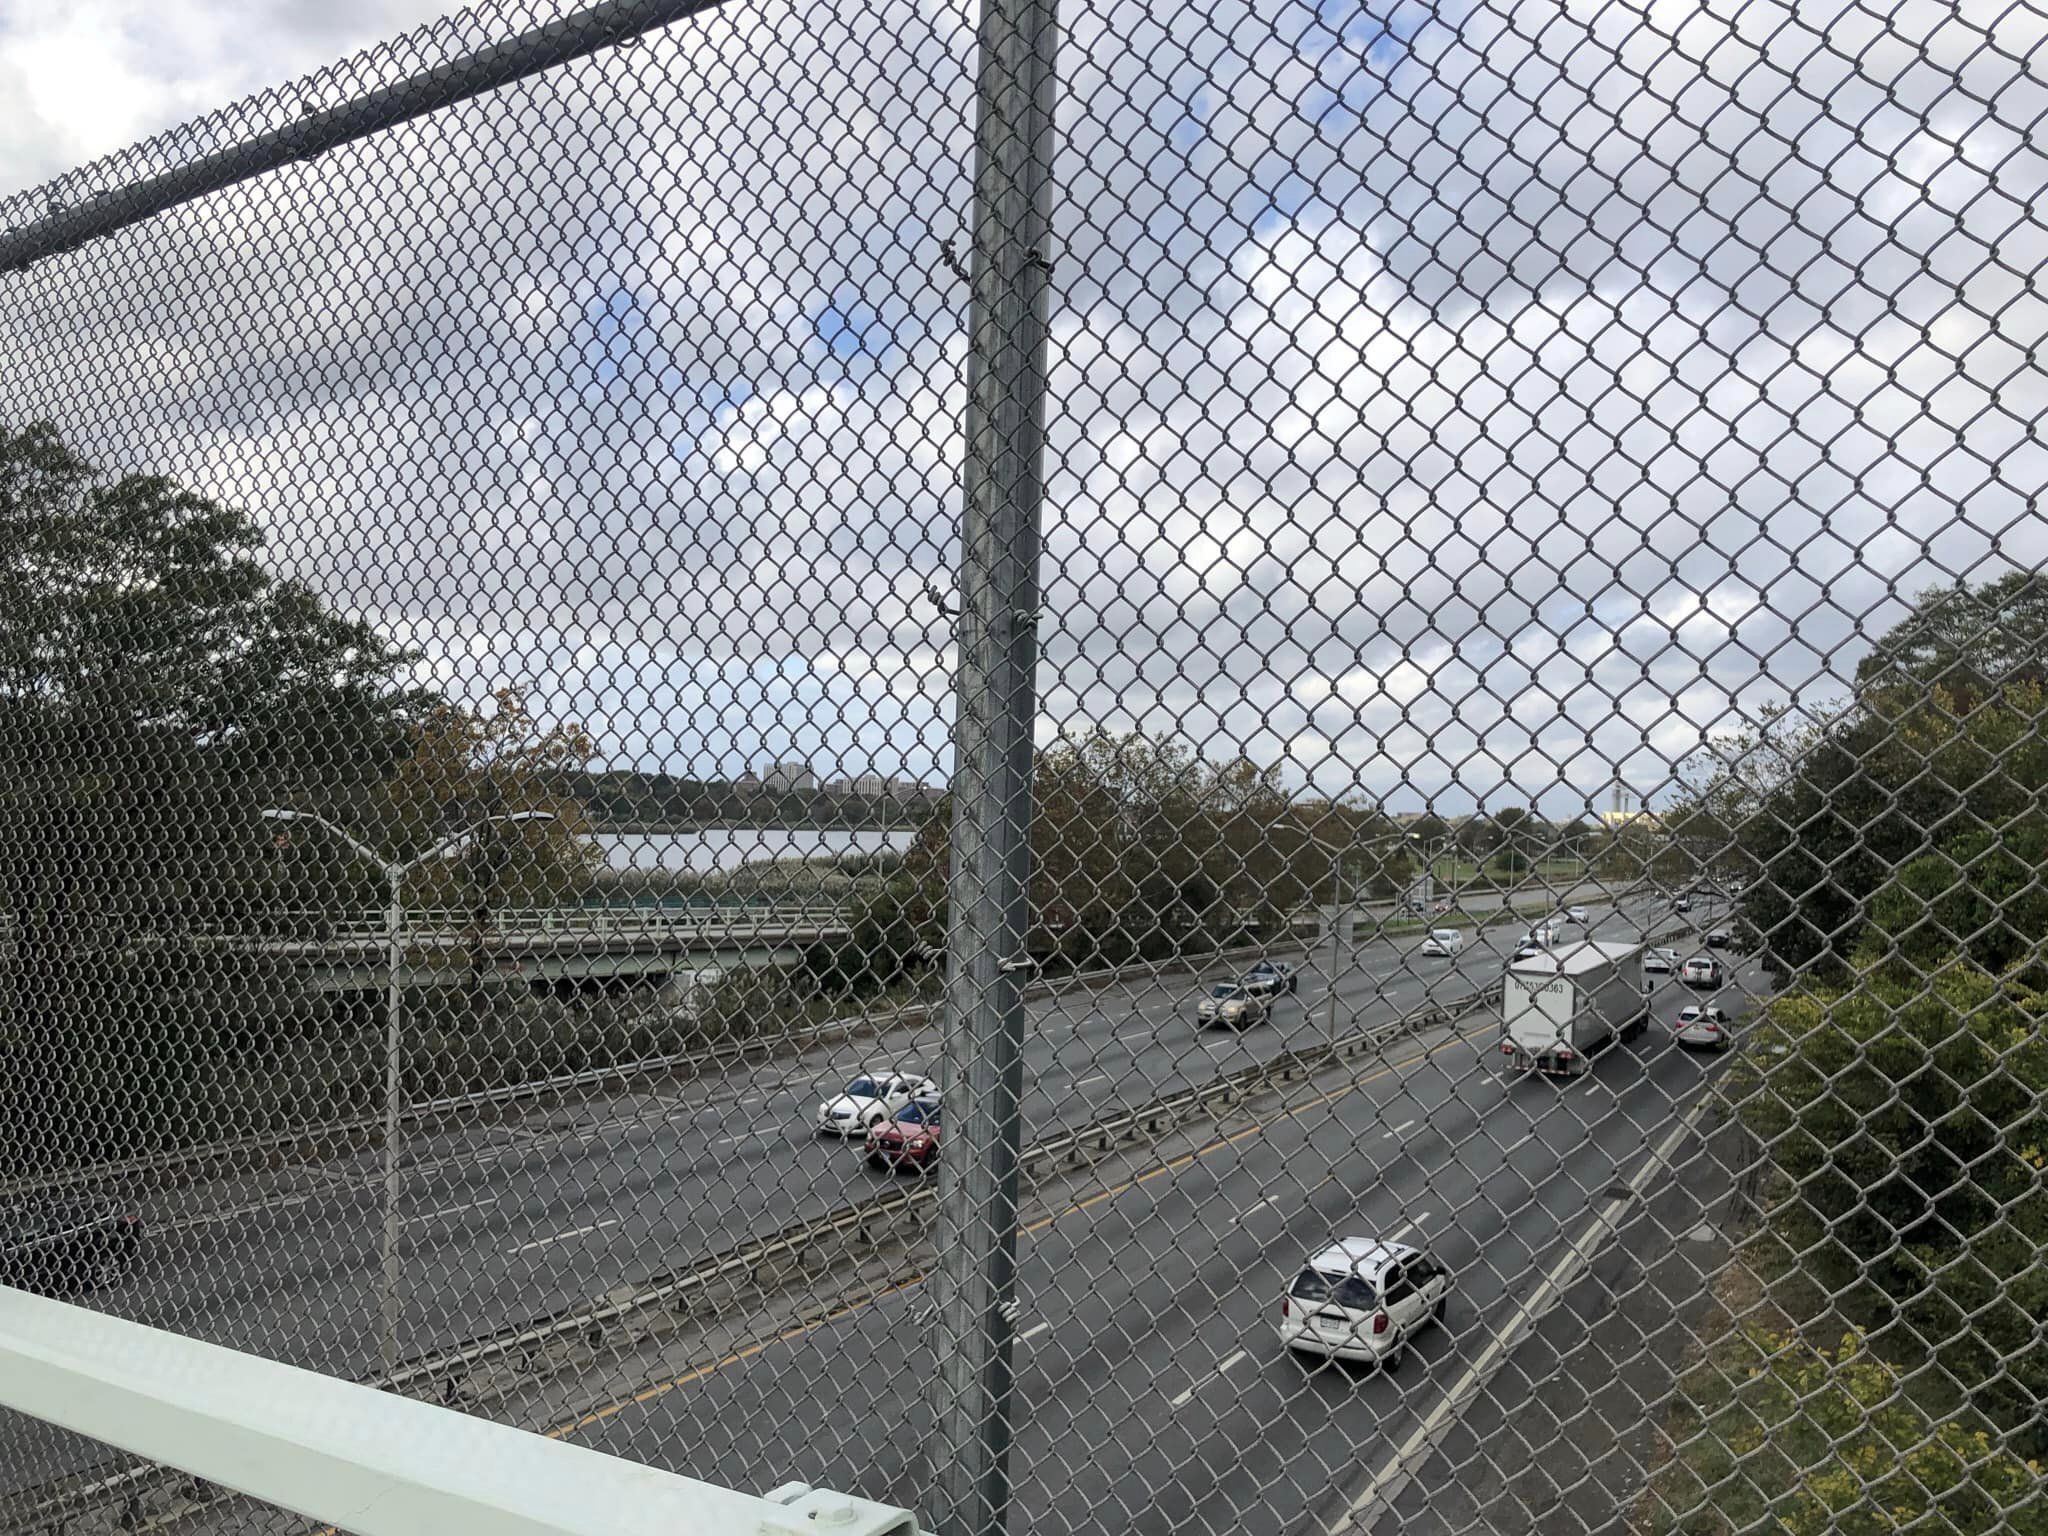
1139, 846
1895, 847
1968, 641
1942, 754
159, 685
1776, 1434
1912, 1116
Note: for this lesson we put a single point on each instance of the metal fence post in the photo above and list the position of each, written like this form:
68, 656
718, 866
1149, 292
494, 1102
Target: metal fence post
1002, 490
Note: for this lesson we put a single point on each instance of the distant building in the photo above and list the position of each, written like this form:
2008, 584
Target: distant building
779, 778
882, 786
1614, 821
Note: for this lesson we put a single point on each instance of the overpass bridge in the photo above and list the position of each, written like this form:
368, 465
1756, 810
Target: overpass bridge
647, 944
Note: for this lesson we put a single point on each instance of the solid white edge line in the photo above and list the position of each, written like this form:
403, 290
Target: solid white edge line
563, 1237
1396, 1471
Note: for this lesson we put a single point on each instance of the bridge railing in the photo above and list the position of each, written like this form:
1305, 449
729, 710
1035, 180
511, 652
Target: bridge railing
367, 1461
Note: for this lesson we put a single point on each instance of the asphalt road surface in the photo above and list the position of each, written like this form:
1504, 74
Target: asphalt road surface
505, 1224
1153, 1393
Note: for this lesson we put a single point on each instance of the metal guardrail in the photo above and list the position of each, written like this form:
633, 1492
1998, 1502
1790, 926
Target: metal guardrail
847, 1028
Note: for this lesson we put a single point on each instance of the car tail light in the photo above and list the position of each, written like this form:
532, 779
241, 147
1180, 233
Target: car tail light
1285, 1309
1564, 1053
1379, 1322
1507, 1047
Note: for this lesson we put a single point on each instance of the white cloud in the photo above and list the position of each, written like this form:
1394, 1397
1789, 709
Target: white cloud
1445, 442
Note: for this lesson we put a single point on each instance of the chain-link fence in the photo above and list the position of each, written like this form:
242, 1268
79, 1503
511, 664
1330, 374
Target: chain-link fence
1265, 768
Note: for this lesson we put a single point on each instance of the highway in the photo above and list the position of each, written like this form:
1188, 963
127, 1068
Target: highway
513, 1221
1153, 1394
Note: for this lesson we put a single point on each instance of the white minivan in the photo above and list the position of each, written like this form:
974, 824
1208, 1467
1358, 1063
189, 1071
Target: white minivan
1362, 1299
1443, 942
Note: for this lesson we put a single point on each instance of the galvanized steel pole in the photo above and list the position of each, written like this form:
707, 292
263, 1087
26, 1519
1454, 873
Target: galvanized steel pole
996, 704
390, 1310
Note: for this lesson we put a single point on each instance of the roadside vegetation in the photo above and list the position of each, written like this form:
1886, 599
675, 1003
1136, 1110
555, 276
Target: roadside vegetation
1879, 1362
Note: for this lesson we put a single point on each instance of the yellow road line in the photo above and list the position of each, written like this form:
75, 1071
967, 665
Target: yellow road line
662, 1388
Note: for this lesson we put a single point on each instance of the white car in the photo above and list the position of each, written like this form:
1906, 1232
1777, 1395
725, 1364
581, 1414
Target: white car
1703, 1024
1542, 937
870, 1098
1701, 971
1230, 1003
1443, 942
1363, 1299
1577, 915
1664, 960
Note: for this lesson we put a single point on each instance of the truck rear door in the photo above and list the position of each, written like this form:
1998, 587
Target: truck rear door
1537, 1012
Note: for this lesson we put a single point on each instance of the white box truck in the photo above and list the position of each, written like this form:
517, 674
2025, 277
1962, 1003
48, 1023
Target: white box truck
1562, 1006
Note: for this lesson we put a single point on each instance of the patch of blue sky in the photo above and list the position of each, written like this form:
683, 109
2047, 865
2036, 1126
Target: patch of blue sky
848, 327
616, 331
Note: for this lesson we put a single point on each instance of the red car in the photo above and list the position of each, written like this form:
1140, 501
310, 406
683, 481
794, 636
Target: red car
910, 1141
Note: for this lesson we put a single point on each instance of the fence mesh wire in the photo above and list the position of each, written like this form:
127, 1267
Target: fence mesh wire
1531, 981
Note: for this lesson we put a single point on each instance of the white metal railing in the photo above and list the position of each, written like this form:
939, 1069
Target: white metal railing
369, 1462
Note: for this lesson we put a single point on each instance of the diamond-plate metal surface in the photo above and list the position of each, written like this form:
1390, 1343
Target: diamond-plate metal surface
489, 881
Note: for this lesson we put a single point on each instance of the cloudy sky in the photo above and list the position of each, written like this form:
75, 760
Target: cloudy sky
1448, 401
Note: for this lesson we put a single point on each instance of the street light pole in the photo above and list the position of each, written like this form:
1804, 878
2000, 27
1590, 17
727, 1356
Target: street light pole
1336, 931
394, 875
394, 1087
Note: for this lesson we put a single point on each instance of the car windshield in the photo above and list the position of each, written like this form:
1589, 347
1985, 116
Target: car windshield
1263, 968
919, 1114
863, 1088
1224, 989
1343, 1290
1445, 933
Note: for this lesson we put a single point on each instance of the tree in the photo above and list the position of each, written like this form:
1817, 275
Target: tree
1901, 1083
1966, 640
1520, 838
1139, 845
1477, 836
1910, 1112
159, 686
1819, 807
462, 766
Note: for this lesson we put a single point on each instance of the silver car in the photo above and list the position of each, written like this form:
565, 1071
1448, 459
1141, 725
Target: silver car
1660, 960
1229, 1003
1705, 1024
1701, 971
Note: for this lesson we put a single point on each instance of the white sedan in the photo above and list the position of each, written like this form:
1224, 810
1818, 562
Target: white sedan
1443, 943
1703, 1024
871, 1098
1665, 960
